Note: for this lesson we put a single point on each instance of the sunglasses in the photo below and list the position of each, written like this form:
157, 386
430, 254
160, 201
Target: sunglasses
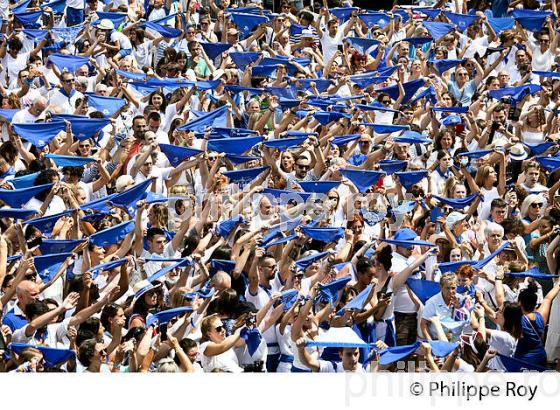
333, 198
302, 166
386, 102
71, 80
219, 328
537, 205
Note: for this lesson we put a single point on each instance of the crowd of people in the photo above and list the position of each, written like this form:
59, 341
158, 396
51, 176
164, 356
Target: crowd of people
279, 186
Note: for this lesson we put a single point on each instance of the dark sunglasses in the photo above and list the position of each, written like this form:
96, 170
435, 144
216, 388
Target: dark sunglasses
219, 329
537, 205
302, 166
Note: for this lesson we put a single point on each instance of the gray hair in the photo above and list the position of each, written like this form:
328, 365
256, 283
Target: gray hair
448, 278
167, 365
492, 227
530, 199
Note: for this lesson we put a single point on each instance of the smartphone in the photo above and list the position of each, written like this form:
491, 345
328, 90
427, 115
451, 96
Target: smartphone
341, 48
163, 332
514, 113
2, 342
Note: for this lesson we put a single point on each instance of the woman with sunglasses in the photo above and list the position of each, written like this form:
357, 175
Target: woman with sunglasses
217, 350
461, 87
532, 208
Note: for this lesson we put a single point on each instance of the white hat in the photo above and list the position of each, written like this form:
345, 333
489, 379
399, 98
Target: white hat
453, 218
517, 152
106, 24
142, 287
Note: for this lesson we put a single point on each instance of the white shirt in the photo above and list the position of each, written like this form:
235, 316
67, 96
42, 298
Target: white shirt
402, 302
226, 361
260, 299
66, 104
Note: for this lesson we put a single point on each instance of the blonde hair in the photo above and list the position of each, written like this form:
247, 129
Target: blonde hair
206, 326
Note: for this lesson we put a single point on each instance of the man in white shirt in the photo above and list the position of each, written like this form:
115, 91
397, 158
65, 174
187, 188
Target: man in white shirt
65, 97
332, 38
443, 306
348, 360
31, 114
261, 285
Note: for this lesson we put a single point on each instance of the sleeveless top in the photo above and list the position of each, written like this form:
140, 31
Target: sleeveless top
530, 346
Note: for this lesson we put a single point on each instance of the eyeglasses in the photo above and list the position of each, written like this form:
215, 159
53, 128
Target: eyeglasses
84, 146
386, 102
302, 166
537, 205
219, 328
462, 74
70, 80
544, 40
364, 142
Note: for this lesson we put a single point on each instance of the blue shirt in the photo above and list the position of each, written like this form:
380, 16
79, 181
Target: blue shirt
463, 97
14, 320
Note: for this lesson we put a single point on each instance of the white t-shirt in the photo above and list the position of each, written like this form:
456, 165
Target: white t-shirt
503, 343
402, 302
226, 361
56, 206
